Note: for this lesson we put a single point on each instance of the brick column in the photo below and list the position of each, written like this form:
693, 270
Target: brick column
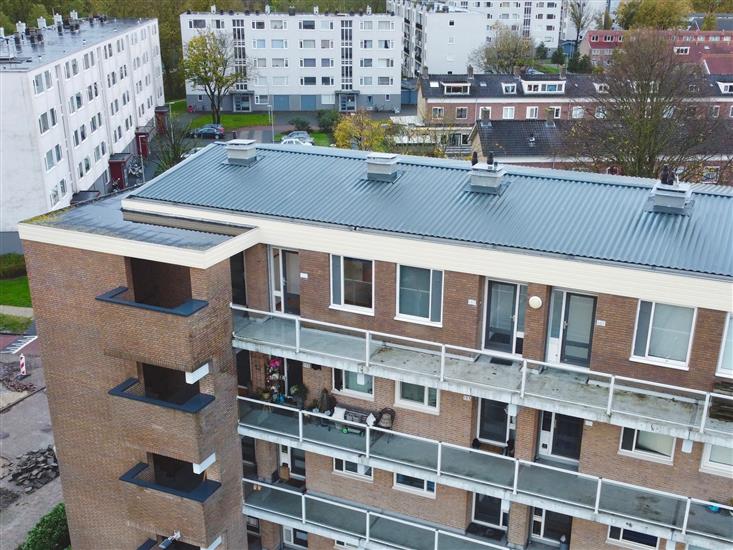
266, 454
535, 323
270, 535
520, 518
525, 448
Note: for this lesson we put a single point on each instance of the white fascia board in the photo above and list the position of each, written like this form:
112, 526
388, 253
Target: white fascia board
201, 467
217, 542
595, 277
198, 259
198, 374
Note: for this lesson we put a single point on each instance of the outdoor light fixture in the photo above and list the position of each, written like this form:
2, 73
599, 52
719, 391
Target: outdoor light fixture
535, 302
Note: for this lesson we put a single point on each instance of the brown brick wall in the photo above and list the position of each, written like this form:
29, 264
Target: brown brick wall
93, 451
520, 517
449, 507
270, 535
535, 323
256, 277
589, 535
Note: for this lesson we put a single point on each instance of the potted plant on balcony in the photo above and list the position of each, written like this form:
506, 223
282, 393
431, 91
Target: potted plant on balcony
299, 393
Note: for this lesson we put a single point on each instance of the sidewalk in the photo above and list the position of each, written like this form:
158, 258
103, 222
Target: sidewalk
17, 311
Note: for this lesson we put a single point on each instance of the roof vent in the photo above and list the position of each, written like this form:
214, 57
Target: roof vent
382, 166
241, 151
669, 195
486, 177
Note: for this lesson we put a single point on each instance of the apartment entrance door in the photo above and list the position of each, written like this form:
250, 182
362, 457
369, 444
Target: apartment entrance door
571, 328
285, 271
560, 436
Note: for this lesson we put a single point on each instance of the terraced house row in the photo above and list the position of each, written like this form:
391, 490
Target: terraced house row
272, 347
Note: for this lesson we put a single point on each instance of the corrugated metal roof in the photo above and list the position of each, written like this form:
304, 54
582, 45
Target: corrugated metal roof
577, 214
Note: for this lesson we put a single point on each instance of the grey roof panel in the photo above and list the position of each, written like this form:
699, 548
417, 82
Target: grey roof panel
583, 215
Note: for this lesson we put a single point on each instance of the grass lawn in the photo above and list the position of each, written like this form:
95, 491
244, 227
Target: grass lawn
14, 292
178, 106
548, 69
13, 324
232, 121
319, 138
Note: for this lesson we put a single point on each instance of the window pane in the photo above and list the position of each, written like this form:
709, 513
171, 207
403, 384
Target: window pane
670, 334
557, 525
412, 392
493, 420
642, 328
436, 299
487, 509
627, 439
358, 282
297, 465
500, 325
579, 329
726, 355
432, 397
555, 313
639, 538
409, 481
414, 291
721, 455
351, 382
522, 306
654, 443
336, 279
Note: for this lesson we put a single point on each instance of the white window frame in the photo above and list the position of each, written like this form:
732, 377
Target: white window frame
360, 470
356, 394
412, 318
515, 333
399, 401
660, 361
462, 117
577, 109
714, 468
727, 332
502, 513
504, 113
643, 455
532, 113
440, 114
289, 537
408, 489
347, 307
625, 543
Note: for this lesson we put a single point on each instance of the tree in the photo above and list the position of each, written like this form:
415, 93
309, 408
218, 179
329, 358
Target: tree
647, 114
712, 6
327, 119
603, 20
359, 131
710, 22
208, 63
50, 533
508, 50
580, 64
36, 11
654, 14
580, 16
558, 56
540, 52
7, 24
170, 147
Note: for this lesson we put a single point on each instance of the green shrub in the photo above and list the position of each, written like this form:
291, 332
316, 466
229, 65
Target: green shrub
12, 265
50, 533
327, 120
300, 124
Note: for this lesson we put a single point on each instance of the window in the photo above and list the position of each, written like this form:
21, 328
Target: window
462, 113
419, 294
438, 112
278, 24
414, 485
295, 537
385, 25
649, 445
49, 159
62, 187
556, 112
308, 24
352, 283
506, 304
717, 460
550, 525
714, 111
663, 334
258, 25
493, 422
262, 100
533, 112
308, 81
259, 43
326, 62
508, 113
484, 113
260, 62
414, 395
44, 122
489, 511
600, 112
360, 385
352, 469
631, 539
725, 359
326, 44
577, 112
279, 62
279, 44
307, 44
308, 62
366, 43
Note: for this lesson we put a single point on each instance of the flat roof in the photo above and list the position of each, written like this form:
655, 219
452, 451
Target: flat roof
579, 215
55, 46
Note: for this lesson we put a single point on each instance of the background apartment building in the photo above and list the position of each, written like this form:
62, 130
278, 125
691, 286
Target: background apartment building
74, 94
422, 354
305, 62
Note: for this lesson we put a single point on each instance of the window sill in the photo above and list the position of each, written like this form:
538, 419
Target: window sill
353, 309
417, 321
645, 361
493, 444
354, 394
416, 492
408, 405
647, 457
723, 374
715, 471
365, 479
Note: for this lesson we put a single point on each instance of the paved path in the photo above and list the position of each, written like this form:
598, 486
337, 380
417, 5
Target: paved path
17, 311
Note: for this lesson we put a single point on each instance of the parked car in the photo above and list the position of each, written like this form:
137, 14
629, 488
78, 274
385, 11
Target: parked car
206, 132
218, 127
299, 134
295, 141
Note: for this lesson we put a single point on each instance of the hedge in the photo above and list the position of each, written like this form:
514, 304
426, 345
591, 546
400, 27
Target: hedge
50, 533
11, 266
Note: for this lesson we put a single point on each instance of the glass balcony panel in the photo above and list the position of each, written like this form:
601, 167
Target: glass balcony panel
712, 521
334, 516
333, 433
273, 500
269, 418
264, 329
400, 534
406, 450
635, 502
557, 485
466, 463
332, 342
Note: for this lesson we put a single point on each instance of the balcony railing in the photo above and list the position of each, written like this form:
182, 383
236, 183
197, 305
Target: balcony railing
308, 511
131, 389
597, 499
138, 475
619, 400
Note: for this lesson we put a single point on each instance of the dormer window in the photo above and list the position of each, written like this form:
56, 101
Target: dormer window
726, 87
509, 88
608, 38
601, 88
594, 38
681, 50
544, 87
457, 89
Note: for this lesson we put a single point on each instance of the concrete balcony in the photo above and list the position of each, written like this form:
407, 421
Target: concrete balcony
172, 337
573, 391
196, 512
610, 502
152, 421
350, 522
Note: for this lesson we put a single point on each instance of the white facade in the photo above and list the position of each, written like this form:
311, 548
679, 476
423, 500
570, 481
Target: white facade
78, 100
306, 61
442, 35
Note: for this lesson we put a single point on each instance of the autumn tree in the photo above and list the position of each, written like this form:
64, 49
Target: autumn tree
653, 14
508, 50
208, 63
581, 16
712, 6
359, 131
647, 114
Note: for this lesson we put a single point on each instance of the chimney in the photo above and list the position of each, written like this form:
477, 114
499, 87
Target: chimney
291, 10
2, 32
382, 166
531, 140
669, 196
241, 151
213, 8
315, 10
58, 19
469, 72
41, 22
267, 9
486, 177
517, 71
368, 10
563, 71
73, 15
424, 71
549, 117
20, 28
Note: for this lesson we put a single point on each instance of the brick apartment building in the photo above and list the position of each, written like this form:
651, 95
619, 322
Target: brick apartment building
493, 357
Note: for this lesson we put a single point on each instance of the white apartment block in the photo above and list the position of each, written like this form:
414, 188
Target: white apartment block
73, 94
305, 61
442, 35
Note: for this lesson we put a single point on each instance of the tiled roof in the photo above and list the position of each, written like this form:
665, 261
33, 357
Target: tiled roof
572, 214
